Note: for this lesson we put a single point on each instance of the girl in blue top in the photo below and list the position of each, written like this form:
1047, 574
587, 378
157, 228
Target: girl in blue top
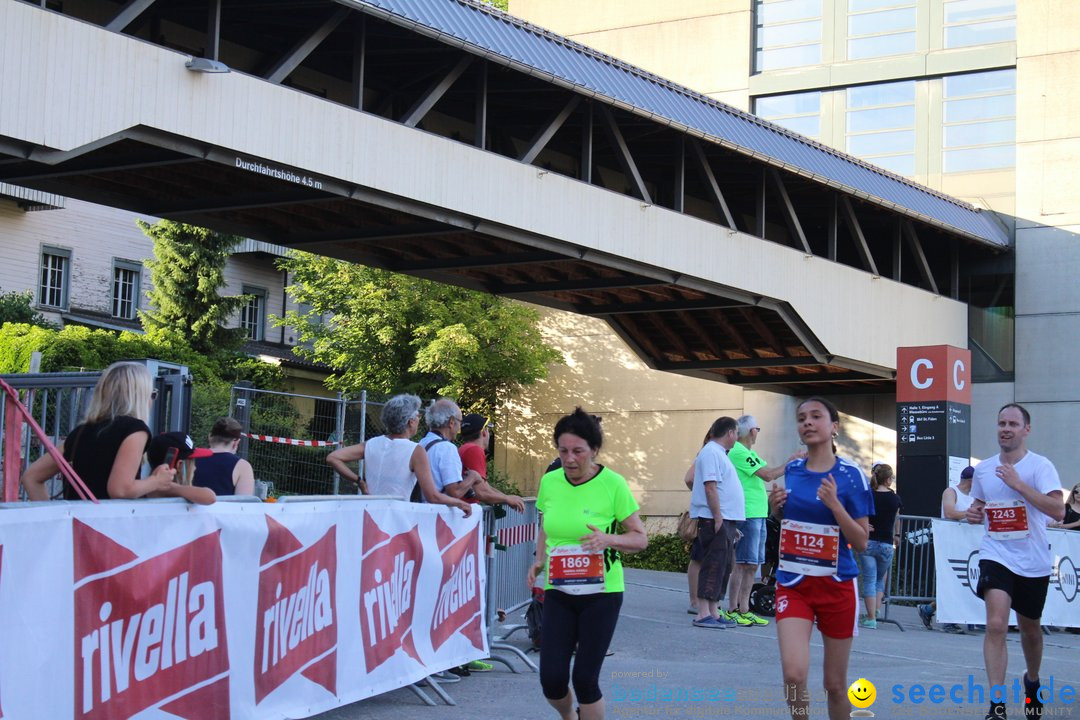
826, 506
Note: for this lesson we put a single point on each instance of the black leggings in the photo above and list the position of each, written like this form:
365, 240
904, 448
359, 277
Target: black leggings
586, 622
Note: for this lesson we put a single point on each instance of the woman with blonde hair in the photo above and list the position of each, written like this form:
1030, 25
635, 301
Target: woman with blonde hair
106, 449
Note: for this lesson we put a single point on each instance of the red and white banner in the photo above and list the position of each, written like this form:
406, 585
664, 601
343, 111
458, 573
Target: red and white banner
956, 559
151, 609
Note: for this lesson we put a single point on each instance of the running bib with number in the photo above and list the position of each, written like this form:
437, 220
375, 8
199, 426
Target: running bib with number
1007, 519
809, 548
576, 571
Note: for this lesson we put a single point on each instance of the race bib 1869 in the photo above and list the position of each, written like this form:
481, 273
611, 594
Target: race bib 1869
1007, 519
809, 548
573, 570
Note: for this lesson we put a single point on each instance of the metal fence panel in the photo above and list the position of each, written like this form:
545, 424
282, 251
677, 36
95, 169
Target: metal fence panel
912, 578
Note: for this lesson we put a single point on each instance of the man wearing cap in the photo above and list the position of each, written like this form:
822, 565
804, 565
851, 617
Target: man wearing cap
750, 549
475, 439
158, 453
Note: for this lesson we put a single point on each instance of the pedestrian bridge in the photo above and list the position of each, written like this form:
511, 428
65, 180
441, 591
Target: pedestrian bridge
447, 140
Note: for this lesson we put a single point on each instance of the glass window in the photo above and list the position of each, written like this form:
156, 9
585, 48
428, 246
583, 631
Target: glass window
253, 313
55, 277
881, 125
980, 121
879, 29
788, 33
979, 22
799, 112
125, 295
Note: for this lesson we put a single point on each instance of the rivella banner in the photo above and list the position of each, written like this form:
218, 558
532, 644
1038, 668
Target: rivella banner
153, 609
956, 558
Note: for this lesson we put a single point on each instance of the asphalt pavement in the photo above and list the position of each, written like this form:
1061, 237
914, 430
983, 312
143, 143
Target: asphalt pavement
662, 666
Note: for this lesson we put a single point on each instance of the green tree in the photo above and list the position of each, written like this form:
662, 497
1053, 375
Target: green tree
18, 307
186, 272
395, 333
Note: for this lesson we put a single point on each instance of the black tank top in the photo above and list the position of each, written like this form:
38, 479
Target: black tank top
91, 449
216, 473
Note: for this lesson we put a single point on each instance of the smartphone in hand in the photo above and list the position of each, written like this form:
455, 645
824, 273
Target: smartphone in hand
172, 456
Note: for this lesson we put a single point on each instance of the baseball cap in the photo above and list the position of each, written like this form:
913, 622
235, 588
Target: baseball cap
472, 423
967, 472
179, 440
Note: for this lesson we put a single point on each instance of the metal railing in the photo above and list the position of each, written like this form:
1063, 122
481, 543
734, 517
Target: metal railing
510, 540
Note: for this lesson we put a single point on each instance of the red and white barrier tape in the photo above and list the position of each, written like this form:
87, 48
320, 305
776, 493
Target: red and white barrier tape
516, 535
292, 441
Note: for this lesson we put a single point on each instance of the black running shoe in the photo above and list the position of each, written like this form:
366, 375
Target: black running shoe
997, 711
1033, 707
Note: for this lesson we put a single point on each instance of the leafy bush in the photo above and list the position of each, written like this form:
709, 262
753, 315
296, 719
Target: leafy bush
501, 481
665, 552
18, 307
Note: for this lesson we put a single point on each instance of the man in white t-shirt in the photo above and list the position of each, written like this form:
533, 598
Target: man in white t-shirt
1016, 494
716, 500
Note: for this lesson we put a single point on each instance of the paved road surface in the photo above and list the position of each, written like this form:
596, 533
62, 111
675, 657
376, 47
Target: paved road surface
657, 651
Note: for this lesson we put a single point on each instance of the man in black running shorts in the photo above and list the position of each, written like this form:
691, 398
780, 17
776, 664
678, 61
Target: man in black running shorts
1016, 495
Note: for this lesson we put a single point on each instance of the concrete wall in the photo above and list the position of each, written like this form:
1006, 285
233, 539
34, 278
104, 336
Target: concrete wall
1048, 226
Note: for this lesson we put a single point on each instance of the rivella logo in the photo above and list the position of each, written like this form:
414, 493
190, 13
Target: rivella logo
149, 630
295, 628
458, 606
389, 569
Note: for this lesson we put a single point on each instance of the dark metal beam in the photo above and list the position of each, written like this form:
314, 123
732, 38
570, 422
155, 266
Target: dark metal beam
511, 290
857, 234
657, 307
710, 181
802, 378
673, 340
92, 166
213, 30
679, 190
242, 202
794, 226
587, 144
703, 335
424, 104
761, 329
374, 235
359, 64
543, 137
299, 52
920, 257
472, 263
481, 133
622, 152
127, 14
742, 364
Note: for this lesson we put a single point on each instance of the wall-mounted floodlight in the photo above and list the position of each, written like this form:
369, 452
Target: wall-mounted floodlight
206, 65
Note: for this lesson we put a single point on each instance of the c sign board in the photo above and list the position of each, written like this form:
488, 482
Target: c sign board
933, 373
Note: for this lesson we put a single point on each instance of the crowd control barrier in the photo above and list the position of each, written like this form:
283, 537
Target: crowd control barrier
237, 610
511, 549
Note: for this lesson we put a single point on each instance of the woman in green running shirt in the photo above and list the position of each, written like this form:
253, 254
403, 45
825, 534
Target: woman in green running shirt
581, 505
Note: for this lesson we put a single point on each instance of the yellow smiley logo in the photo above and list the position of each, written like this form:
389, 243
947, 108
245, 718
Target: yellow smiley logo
862, 693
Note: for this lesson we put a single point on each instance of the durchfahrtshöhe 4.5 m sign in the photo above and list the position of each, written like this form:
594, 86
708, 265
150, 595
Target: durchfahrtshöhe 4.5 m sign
233, 611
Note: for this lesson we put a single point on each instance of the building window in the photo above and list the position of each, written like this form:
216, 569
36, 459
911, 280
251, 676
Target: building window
980, 121
979, 22
787, 33
127, 280
799, 112
879, 28
55, 277
881, 125
253, 313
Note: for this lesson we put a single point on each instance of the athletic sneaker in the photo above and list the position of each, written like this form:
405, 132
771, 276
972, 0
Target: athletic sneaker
997, 711
926, 614
713, 623
868, 623
479, 666
735, 617
952, 628
1033, 707
691, 611
754, 619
